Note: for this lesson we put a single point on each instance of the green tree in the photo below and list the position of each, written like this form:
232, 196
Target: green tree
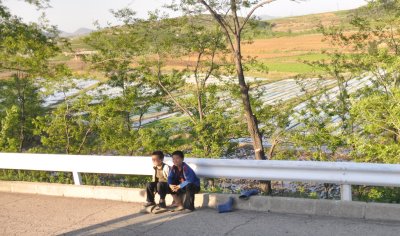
227, 15
317, 133
373, 46
118, 56
115, 130
377, 118
369, 50
21, 96
69, 128
196, 90
9, 131
25, 50
275, 120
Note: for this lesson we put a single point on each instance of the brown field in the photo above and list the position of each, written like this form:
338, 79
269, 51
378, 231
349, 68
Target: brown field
285, 46
284, 55
5, 75
277, 47
283, 52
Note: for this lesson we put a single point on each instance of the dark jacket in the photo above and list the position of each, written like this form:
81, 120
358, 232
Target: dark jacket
188, 176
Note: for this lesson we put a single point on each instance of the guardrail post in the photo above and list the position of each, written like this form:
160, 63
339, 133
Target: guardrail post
77, 178
345, 192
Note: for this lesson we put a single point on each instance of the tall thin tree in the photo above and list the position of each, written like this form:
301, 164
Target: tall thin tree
228, 15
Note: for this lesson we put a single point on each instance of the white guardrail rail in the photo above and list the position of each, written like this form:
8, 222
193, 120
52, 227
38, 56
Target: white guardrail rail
343, 173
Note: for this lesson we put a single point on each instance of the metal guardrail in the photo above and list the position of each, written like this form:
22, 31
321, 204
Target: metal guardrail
343, 173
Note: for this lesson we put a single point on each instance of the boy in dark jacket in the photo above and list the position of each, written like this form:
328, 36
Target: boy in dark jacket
183, 182
159, 182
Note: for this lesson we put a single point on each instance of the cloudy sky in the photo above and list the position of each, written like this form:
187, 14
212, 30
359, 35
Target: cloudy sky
69, 15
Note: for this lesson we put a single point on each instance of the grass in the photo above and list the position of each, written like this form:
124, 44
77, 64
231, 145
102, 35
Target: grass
277, 34
288, 66
78, 43
134, 181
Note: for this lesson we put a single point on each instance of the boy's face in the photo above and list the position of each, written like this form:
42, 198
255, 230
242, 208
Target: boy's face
156, 160
177, 160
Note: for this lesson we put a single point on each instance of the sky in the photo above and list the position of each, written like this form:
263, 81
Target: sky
70, 15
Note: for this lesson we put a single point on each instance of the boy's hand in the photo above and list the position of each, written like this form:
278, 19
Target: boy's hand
174, 188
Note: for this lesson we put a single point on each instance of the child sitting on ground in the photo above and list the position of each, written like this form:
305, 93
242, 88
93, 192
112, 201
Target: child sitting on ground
159, 182
183, 182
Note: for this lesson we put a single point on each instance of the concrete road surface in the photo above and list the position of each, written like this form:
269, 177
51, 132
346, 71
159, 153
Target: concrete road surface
23, 214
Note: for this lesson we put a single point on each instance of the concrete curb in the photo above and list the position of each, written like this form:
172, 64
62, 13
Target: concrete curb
358, 210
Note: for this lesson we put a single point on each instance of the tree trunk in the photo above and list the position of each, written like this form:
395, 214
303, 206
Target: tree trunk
272, 149
252, 123
22, 117
235, 31
200, 105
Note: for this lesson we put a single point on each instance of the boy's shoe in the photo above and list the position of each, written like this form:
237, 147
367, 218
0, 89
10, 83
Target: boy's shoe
187, 210
148, 209
158, 210
178, 208
162, 205
149, 204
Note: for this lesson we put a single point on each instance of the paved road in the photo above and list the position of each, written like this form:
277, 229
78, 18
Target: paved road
23, 214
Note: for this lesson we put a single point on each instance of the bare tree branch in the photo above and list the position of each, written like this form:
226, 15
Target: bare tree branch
220, 21
177, 103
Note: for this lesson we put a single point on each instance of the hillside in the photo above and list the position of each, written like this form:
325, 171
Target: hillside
311, 22
283, 44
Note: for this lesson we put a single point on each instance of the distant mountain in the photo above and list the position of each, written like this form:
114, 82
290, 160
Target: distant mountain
78, 32
267, 17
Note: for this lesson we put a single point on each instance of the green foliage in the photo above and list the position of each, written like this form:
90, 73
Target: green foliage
114, 126
364, 127
9, 131
133, 57
317, 133
116, 48
211, 136
199, 100
276, 121
377, 194
374, 43
39, 3
36, 176
25, 50
20, 104
114, 131
66, 178
68, 128
378, 136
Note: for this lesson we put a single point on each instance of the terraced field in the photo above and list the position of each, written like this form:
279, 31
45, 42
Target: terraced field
271, 93
293, 41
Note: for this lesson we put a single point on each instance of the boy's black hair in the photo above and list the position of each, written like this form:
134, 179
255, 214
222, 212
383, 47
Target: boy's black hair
179, 153
159, 154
